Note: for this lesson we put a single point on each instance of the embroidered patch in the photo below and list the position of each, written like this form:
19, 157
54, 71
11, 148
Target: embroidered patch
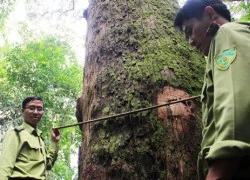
225, 59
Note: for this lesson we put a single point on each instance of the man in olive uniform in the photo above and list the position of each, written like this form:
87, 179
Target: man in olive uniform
225, 146
24, 155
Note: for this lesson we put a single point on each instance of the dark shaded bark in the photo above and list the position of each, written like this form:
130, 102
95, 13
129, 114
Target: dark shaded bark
134, 59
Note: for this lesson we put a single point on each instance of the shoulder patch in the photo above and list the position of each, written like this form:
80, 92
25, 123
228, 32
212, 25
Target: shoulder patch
225, 59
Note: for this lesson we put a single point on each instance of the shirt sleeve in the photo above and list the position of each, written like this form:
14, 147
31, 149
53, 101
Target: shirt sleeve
9, 154
231, 98
52, 155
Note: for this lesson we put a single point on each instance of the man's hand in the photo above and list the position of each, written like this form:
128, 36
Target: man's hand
55, 135
223, 169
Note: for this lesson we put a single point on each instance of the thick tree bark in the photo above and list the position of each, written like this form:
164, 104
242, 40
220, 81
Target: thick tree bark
134, 59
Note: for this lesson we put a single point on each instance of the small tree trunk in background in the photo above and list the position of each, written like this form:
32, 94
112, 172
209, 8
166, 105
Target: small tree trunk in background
135, 59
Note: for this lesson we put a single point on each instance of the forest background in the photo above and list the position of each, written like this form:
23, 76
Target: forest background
42, 53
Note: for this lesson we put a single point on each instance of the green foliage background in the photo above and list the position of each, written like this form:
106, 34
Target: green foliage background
42, 65
241, 9
47, 68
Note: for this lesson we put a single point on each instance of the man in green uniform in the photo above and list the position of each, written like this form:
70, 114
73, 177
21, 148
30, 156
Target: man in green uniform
24, 155
225, 146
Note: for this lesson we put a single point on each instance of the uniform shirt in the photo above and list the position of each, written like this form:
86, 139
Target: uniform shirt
226, 99
24, 154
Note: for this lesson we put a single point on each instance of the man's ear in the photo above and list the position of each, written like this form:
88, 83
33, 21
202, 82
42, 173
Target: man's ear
210, 12
22, 110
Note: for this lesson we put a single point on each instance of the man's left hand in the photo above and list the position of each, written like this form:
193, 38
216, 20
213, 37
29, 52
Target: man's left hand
55, 135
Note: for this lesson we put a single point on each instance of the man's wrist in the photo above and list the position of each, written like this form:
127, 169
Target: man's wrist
223, 168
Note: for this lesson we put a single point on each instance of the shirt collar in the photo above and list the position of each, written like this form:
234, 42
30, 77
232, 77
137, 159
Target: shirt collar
31, 130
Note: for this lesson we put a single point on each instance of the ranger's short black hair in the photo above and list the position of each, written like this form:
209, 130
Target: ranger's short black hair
195, 9
31, 98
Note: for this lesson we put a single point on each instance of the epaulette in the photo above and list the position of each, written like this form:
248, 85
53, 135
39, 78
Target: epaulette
245, 23
18, 128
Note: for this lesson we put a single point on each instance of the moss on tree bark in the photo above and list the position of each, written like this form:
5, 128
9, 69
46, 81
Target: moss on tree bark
134, 59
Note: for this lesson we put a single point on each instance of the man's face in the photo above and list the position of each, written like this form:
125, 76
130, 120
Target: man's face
195, 31
33, 112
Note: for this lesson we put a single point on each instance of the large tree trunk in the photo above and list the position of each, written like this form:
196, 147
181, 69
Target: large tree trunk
136, 59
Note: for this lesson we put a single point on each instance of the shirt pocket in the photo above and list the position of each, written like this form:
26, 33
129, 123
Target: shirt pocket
33, 151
